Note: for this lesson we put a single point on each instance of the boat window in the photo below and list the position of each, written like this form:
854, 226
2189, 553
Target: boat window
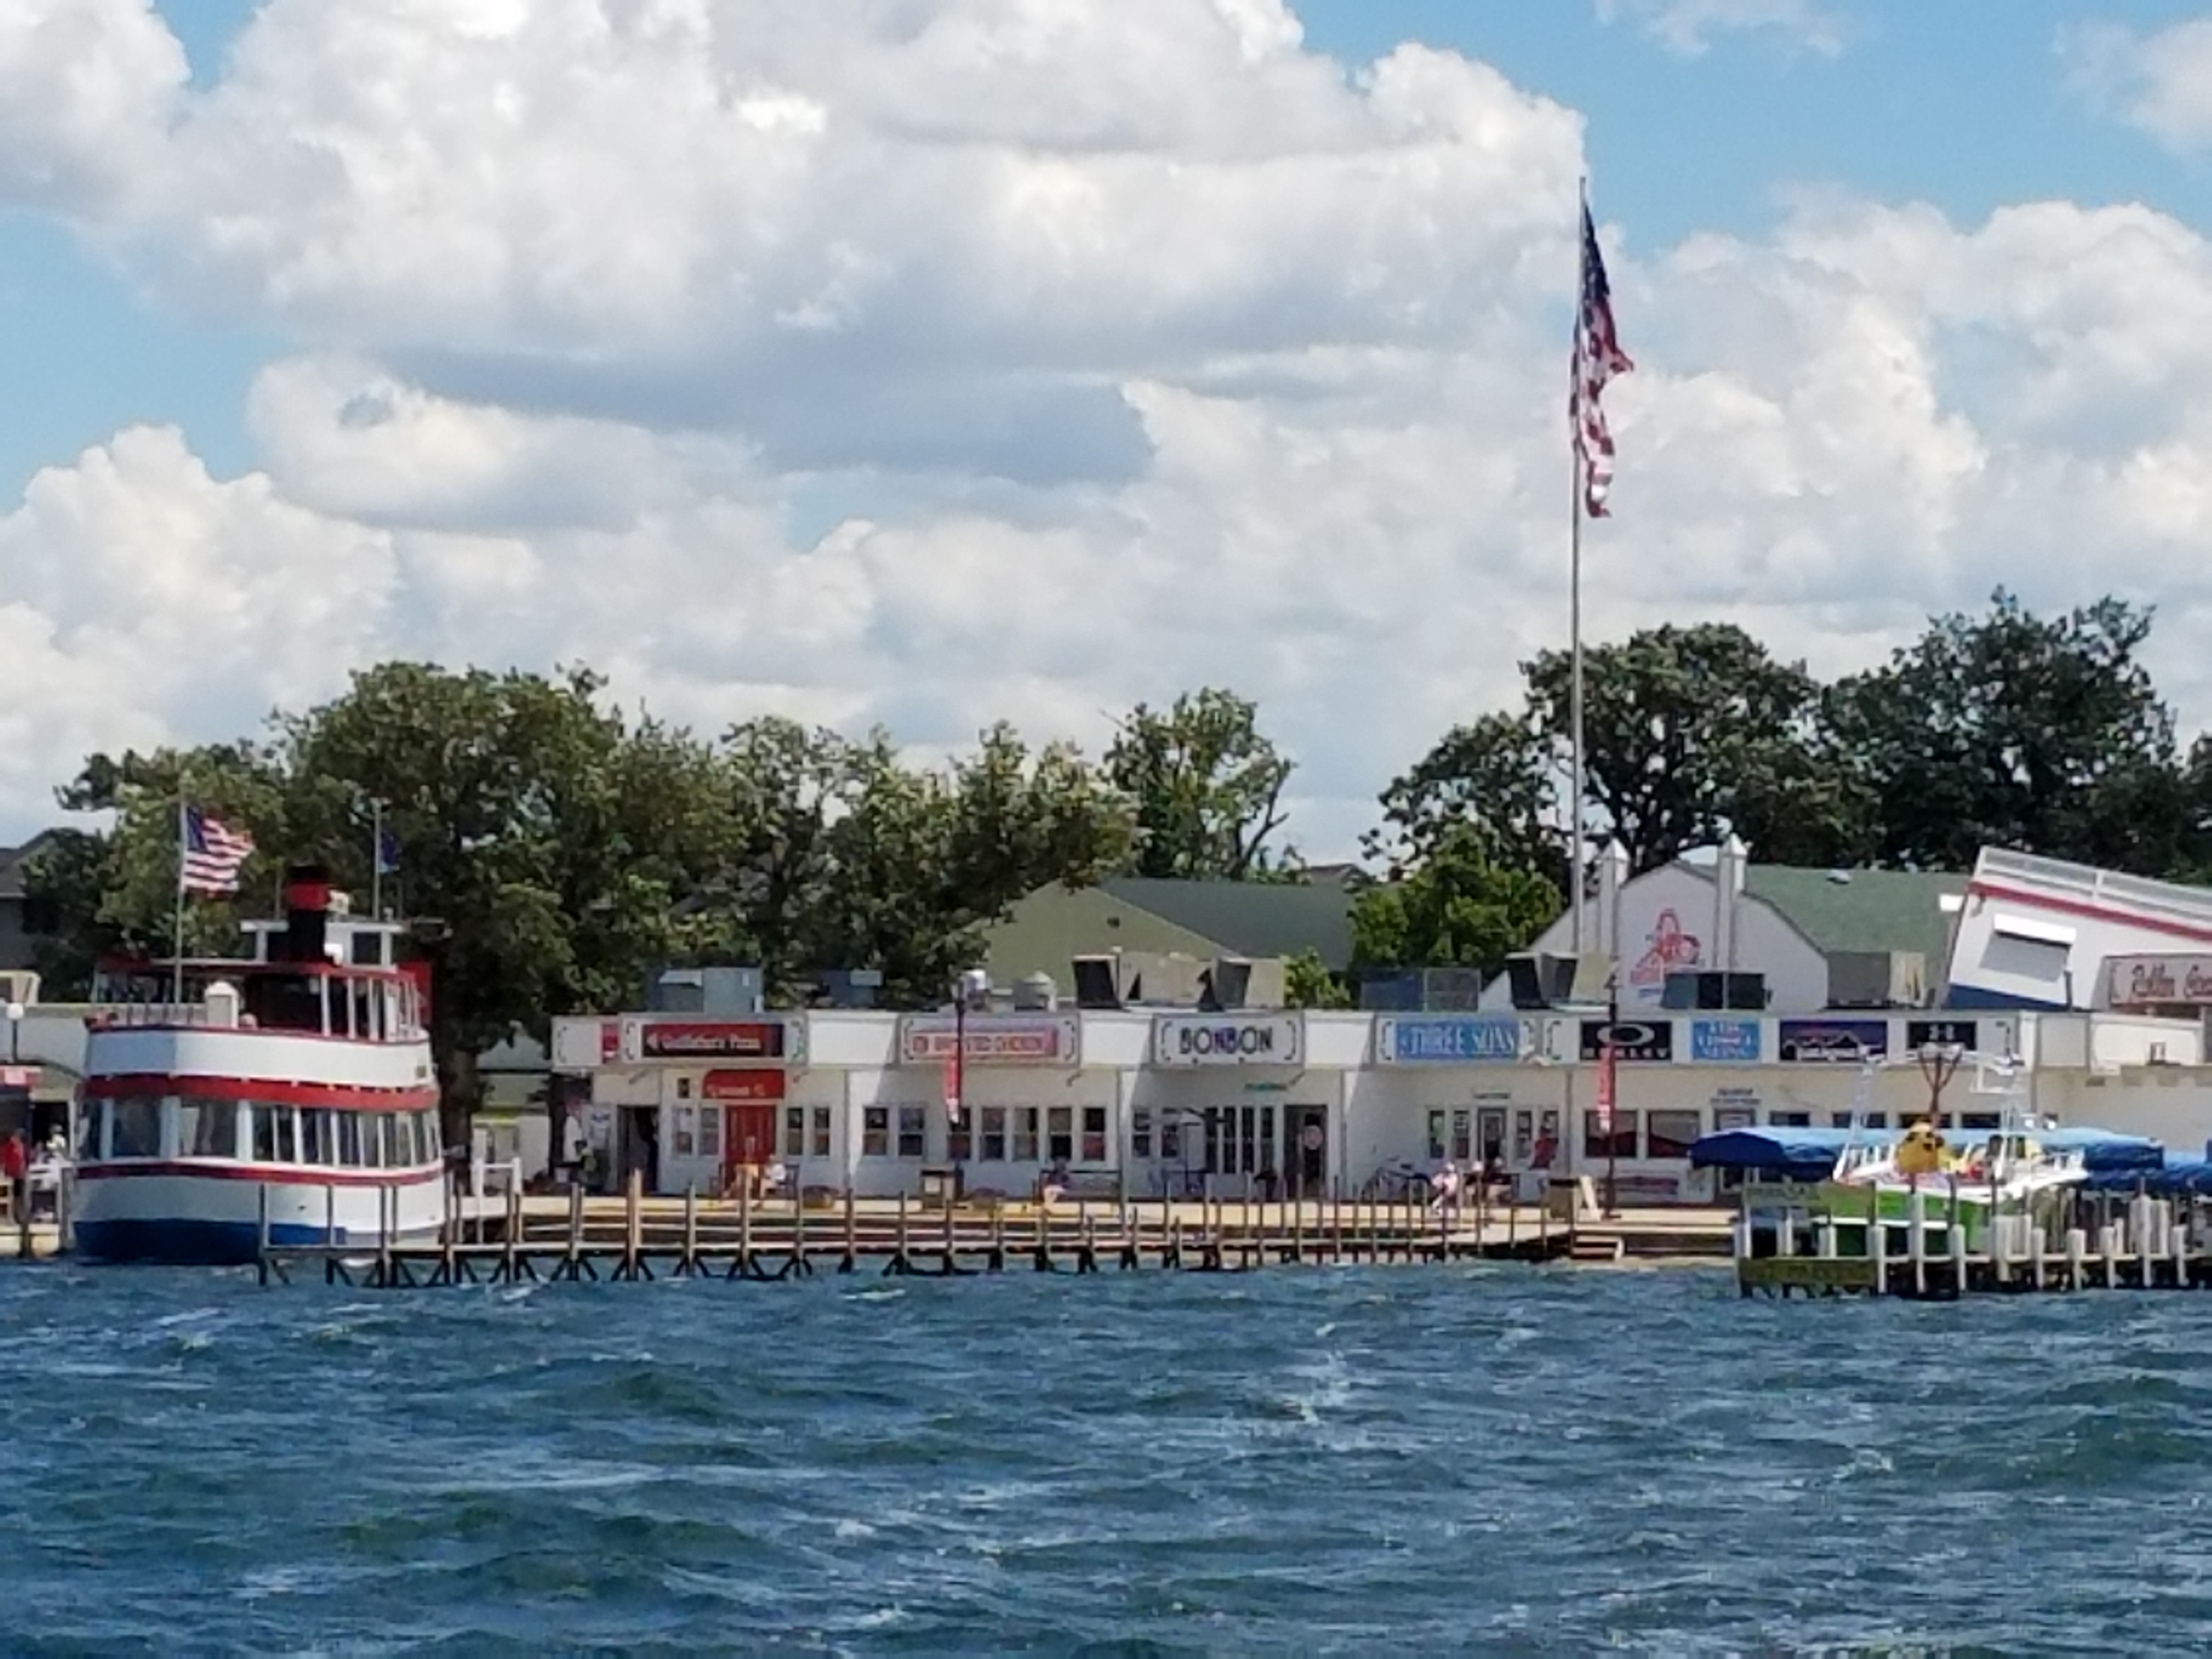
84, 1142
261, 1127
134, 1127
207, 1128
375, 1141
407, 1152
348, 1139
437, 1131
314, 1136
285, 1002
361, 999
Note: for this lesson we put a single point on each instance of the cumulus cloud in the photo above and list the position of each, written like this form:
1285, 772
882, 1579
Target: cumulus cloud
1688, 27
2160, 82
932, 363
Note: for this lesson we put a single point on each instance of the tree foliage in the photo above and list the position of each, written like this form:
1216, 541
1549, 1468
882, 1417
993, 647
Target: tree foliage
1458, 908
552, 849
1207, 788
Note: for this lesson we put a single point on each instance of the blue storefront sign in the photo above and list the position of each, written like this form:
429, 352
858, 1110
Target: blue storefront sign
1833, 1042
1725, 1042
1446, 1040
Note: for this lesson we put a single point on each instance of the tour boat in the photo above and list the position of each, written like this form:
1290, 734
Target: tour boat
289, 1096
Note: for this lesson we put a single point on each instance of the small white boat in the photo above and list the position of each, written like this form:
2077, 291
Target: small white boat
289, 1096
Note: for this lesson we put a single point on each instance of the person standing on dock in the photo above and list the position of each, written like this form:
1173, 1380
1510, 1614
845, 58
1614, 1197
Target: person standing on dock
15, 1166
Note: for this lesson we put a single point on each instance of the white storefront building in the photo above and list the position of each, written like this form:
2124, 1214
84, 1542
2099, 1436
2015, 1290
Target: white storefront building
2073, 971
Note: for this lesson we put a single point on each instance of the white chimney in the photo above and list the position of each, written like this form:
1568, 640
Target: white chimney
1612, 877
1728, 888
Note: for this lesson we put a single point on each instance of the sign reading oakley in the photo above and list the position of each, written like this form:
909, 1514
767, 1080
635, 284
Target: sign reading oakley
1228, 1039
1725, 1042
1445, 1040
1638, 1040
991, 1040
1833, 1042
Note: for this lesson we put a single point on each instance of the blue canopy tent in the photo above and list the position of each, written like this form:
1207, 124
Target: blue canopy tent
2177, 1177
1777, 1152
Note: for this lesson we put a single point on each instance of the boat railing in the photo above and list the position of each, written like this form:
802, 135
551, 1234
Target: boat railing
105, 1015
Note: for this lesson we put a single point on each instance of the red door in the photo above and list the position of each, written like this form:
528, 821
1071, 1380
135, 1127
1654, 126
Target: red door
749, 1106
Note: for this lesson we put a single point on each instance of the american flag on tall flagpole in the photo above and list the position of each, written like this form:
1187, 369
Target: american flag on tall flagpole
213, 854
1598, 358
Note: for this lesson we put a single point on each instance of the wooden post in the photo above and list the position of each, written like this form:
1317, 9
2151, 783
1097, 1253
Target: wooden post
511, 1254
852, 1261
687, 1263
997, 1261
800, 1264
1298, 1230
572, 1266
1040, 1252
261, 1254
744, 1266
1086, 1261
1958, 1229
384, 1272
1336, 1228
901, 1262
948, 1265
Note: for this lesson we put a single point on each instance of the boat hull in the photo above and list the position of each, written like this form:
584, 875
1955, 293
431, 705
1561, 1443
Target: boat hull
137, 1214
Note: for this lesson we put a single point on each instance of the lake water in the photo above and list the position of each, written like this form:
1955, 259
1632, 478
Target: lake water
1508, 1461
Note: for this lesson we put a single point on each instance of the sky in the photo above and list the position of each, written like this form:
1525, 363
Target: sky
928, 362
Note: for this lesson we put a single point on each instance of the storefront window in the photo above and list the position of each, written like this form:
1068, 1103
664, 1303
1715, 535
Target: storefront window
1025, 1134
1141, 1133
1622, 1143
710, 1133
1436, 1137
1462, 1138
820, 1132
914, 1131
794, 1132
1491, 1143
1790, 1120
687, 1133
960, 1137
1873, 1119
1734, 1117
1060, 1123
875, 1132
994, 1134
1094, 1134
1524, 1135
1669, 1134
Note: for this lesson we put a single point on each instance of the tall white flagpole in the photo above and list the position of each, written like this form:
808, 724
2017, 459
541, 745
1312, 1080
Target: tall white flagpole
1575, 594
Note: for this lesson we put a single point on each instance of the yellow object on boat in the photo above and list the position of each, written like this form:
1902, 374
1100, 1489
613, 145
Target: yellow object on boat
1921, 1151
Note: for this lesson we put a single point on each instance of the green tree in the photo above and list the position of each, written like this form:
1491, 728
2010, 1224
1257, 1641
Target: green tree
1307, 983
1456, 909
1692, 732
1495, 781
2044, 734
1207, 787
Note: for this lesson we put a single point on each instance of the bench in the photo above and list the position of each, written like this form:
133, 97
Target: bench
1081, 1184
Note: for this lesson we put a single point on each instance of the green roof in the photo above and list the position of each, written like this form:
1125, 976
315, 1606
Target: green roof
1862, 909
1056, 924
1251, 918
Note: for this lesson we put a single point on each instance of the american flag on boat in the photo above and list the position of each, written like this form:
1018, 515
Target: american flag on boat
1598, 358
213, 853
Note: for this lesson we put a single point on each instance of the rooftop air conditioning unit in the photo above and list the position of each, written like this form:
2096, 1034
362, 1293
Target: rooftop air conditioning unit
1035, 994
1128, 978
1877, 979
1542, 980
1241, 982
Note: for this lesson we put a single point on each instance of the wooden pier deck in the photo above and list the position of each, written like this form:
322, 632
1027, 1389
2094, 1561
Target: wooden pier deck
634, 1238
2103, 1240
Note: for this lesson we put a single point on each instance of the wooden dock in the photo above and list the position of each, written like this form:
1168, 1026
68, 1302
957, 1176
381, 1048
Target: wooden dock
632, 1238
2098, 1241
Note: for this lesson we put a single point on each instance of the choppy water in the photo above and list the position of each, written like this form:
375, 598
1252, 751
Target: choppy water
1510, 1462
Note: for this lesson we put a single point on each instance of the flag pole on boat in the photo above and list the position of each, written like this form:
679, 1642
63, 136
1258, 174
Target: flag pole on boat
177, 924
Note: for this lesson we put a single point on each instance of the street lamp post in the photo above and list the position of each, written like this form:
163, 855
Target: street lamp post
16, 1011
970, 988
